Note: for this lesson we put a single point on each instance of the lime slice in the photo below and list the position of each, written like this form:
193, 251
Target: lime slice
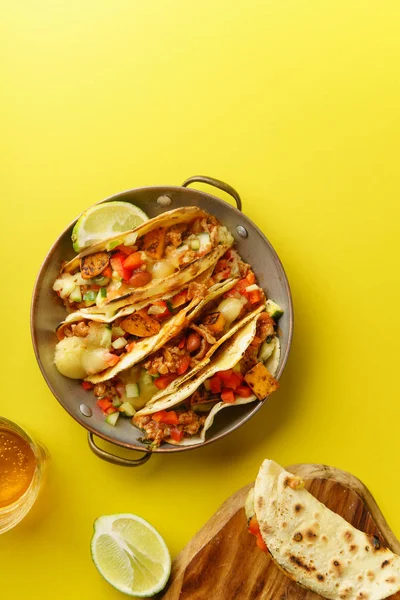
130, 554
104, 221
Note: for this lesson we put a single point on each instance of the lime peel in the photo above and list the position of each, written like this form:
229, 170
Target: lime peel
105, 220
130, 554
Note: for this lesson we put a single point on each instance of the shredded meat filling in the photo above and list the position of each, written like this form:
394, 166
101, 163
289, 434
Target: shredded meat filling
196, 290
189, 423
164, 361
173, 239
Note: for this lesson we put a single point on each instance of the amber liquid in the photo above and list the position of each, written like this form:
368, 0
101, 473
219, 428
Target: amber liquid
17, 466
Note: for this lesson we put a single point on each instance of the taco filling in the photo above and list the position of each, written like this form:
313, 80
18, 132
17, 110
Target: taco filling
248, 380
119, 268
169, 321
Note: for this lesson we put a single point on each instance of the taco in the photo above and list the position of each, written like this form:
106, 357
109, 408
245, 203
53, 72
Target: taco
240, 372
104, 349
159, 256
315, 546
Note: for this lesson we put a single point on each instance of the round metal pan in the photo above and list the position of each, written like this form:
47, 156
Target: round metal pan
47, 312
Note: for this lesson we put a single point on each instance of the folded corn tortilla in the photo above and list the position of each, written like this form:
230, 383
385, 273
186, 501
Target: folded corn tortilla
227, 357
170, 329
176, 280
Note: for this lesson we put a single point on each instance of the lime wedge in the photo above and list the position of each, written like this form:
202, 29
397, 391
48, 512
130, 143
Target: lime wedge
130, 554
104, 221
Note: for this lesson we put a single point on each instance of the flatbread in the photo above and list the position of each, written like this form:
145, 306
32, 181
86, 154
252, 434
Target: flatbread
315, 546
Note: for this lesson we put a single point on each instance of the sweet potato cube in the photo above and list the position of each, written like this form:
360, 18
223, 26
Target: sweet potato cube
261, 381
94, 264
154, 243
215, 322
140, 324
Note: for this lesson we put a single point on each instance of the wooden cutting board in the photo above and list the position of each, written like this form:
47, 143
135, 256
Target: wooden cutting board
222, 561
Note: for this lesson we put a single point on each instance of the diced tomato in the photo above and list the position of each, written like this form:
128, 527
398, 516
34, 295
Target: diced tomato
221, 265
94, 287
130, 346
126, 249
243, 391
261, 544
164, 380
179, 299
230, 378
139, 278
104, 404
225, 375
169, 417
176, 434
215, 384
227, 395
254, 527
133, 261
182, 365
107, 272
182, 343
111, 410
164, 305
117, 264
250, 278
255, 296
111, 359
87, 385
241, 287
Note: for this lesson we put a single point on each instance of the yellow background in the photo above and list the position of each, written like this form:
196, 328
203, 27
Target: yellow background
296, 104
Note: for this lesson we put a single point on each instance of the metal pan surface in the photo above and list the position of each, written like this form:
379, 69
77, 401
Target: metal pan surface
47, 312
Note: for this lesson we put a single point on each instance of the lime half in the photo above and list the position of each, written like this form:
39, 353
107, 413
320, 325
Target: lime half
104, 221
130, 554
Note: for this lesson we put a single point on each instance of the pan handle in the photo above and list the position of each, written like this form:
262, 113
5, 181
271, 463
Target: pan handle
116, 460
216, 183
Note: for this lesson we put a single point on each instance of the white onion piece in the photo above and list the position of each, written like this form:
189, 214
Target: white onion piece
162, 269
252, 288
156, 310
230, 309
119, 343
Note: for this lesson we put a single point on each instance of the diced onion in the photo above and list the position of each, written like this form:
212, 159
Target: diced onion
195, 244
162, 269
117, 331
182, 248
130, 239
119, 343
252, 288
156, 310
115, 276
230, 309
65, 285
205, 241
